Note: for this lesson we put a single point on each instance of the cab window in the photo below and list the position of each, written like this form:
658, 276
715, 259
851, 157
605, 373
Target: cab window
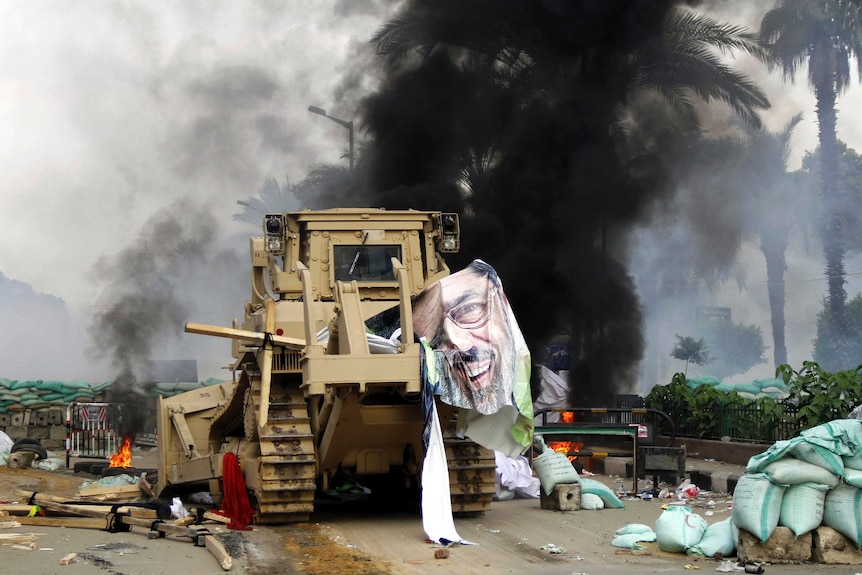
365, 263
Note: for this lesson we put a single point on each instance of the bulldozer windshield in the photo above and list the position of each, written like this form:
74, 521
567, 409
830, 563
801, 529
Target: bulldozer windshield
365, 263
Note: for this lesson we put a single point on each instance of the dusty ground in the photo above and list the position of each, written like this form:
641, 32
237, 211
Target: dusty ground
513, 537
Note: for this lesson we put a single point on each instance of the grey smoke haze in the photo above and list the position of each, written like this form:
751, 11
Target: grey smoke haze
120, 109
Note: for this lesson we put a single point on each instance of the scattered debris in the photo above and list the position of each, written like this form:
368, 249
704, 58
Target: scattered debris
120, 518
553, 549
441, 553
68, 558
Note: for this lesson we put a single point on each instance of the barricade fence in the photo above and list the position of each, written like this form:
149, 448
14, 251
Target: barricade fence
92, 430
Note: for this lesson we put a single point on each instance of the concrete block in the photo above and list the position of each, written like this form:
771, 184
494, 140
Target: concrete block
37, 431
57, 432
39, 418
702, 479
831, 547
781, 547
57, 417
664, 461
564, 497
17, 419
5, 419
54, 444
16, 431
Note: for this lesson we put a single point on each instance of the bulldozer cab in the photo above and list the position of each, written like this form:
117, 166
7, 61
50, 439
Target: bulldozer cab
346, 245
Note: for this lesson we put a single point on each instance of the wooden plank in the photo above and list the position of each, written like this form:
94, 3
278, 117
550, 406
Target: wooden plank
110, 491
16, 508
233, 333
68, 558
78, 522
197, 533
216, 517
218, 551
140, 512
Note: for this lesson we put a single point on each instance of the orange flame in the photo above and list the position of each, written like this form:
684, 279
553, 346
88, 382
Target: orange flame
567, 417
123, 457
566, 448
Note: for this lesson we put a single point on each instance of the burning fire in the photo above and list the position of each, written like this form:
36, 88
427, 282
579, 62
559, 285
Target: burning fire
123, 457
567, 417
566, 448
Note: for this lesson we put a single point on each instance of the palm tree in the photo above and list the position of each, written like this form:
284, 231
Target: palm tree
691, 350
771, 186
825, 35
272, 198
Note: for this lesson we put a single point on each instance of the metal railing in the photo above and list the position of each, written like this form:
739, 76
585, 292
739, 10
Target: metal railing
738, 422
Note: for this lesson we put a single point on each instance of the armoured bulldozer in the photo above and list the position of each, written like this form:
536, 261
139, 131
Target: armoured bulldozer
313, 397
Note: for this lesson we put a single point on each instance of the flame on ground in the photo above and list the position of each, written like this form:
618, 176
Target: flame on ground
123, 457
567, 417
567, 448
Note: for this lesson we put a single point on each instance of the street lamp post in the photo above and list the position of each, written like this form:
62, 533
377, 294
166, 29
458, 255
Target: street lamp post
344, 123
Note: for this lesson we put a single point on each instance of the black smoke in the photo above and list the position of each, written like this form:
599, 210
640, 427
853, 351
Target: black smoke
174, 271
550, 181
550, 213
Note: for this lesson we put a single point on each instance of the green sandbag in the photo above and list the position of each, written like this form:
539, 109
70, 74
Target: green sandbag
55, 386
598, 488
76, 384
20, 384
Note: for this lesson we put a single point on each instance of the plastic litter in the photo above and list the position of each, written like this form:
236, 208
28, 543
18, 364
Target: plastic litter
553, 549
728, 566
177, 508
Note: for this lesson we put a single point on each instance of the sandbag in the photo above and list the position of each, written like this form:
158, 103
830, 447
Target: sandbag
853, 477
677, 529
719, 538
842, 511
820, 456
791, 471
591, 501
802, 507
853, 461
591, 486
757, 505
552, 468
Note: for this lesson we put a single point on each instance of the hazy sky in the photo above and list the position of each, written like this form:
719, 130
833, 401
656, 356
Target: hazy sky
113, 110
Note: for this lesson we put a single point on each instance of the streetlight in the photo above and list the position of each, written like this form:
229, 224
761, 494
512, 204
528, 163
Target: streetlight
346, 124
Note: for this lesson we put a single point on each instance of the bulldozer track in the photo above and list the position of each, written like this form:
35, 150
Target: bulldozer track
287, 466
472, 475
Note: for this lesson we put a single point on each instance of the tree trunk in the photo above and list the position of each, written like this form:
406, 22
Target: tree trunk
830, 229
774, 247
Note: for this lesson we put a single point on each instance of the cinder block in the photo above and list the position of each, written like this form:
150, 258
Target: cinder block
17, 418
5, 419
54, 444
37, 431
564, 497
831, 547
781, 547
57, 432
39, 418
16, 431
57, 417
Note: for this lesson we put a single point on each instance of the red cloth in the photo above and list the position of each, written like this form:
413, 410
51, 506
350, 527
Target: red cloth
235, 504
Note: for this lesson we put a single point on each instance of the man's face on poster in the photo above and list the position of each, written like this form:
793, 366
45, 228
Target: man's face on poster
465, 319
